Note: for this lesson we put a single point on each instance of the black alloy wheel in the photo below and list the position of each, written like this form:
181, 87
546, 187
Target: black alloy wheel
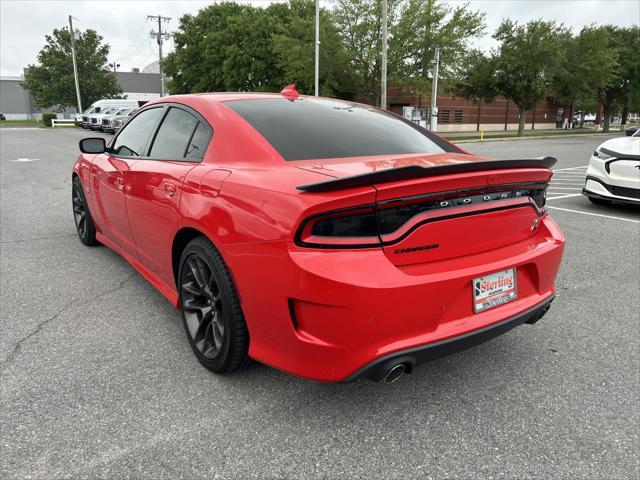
202, 306
211, 311
81, 215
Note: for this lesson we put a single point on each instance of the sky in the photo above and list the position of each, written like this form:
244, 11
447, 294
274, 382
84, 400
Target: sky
125, 27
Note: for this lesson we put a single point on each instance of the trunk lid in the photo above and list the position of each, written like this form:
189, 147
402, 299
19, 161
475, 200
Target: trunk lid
430, 217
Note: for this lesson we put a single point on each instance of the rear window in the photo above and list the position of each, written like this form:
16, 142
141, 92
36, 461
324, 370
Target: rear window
312, 128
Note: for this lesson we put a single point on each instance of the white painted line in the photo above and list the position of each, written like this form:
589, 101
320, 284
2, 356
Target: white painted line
568, 195
24, 160
570, 168
595, 214
564, 188
573, 184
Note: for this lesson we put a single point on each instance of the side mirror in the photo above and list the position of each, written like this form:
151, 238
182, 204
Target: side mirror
93, 145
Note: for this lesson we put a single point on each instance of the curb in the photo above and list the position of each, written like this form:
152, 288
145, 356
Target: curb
537, 137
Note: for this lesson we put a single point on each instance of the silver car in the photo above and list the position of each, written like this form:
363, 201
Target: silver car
107, 124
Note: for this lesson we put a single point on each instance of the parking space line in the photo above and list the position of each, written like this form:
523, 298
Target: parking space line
595, 214
575, 184
570, 168
568, 195
564, 188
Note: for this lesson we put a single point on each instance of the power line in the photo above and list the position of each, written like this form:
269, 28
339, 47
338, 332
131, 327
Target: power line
160, 37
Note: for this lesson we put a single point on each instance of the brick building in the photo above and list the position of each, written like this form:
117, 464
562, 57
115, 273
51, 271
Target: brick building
456, 114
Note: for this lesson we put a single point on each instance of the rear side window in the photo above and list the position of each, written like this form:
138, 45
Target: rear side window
134, 136
199, 142
174, 134
311, 128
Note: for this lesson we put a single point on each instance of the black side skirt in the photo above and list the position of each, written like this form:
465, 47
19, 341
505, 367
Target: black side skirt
377, 369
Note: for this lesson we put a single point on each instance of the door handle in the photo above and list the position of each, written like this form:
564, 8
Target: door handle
170, 188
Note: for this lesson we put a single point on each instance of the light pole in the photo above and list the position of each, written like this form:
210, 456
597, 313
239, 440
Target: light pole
434, 92
383, 81
317, 66
159, 35
75, 65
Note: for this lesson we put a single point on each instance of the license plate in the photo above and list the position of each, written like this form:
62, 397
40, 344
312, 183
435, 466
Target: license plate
494, 289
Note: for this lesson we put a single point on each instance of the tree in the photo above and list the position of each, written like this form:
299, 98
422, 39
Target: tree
526, 62
475, 81
416, 28
587, 66
622, 88
294, 48
232, 47
51, 80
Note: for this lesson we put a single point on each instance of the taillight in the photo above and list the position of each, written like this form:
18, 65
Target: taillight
351, 228
374, 225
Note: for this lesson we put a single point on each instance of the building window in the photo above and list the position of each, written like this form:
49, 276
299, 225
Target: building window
457, 116
443, 116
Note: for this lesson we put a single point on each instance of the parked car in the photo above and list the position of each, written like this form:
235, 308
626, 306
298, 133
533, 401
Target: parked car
2, 117
98, 107
108, 121
95, 120
330, 239
614, 171
631, 130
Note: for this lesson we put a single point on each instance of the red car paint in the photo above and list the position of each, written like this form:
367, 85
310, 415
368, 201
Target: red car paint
351, 306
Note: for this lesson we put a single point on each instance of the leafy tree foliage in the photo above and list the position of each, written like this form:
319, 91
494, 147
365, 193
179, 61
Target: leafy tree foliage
526, 62
51, 80
622, 88
232, 47
416, 29
475, 80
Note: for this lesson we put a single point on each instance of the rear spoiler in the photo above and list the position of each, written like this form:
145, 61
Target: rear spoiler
414, 171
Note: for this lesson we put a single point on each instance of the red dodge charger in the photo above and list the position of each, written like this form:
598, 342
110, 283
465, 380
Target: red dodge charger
329, 239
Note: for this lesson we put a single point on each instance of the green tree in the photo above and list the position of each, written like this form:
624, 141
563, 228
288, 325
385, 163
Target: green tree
621, 90
232, 47
588, 66
294, 48
51, 80
416, 29
526, 62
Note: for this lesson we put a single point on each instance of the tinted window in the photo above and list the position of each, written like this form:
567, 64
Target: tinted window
317, 128
199, 143
133, 137
174, 134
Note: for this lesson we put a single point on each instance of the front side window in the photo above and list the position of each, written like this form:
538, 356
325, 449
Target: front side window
312, 128
173, 135
133, 138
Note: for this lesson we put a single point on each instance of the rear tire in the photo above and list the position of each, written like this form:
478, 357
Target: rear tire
211, 312
81, 214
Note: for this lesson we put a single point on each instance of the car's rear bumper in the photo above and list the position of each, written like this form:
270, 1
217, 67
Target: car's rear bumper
326, 315
413, 357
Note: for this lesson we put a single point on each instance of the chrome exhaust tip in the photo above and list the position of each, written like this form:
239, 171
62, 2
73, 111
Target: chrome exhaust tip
394, 373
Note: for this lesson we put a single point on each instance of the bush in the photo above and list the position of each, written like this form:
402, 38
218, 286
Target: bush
47, 117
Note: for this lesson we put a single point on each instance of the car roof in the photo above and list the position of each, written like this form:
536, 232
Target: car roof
218, 96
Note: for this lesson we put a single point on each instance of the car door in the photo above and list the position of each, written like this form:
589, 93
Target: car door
154, 186
108, 178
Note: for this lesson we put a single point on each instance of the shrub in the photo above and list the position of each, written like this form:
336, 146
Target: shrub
47, 117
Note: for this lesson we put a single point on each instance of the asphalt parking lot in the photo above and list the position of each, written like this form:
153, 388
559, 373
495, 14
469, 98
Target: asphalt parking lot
98, 380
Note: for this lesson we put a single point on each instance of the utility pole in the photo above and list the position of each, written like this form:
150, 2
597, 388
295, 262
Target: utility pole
383, 82
75, 65
317, 70
434, 92
159, 36
115, 67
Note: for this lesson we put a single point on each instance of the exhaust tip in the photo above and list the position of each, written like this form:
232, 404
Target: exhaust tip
394, 373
